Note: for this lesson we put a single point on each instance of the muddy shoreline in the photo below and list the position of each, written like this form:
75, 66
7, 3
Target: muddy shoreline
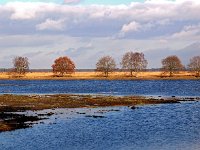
11, 105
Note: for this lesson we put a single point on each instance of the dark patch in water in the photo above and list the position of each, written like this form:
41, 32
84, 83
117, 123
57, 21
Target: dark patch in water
13, 109
94, 116
10, 120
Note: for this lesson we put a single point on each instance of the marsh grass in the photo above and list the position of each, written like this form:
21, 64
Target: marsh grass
98, 76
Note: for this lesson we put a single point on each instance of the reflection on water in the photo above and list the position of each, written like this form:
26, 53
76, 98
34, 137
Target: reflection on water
120, 87
167, 127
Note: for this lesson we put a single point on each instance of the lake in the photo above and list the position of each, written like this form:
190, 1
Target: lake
166, 127
149, 127
117, 87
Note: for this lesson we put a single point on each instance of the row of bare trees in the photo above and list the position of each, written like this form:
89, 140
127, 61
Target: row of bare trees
136, 62
61, 66
173, 64
132, 62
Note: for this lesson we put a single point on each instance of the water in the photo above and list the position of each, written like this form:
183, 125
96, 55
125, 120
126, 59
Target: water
166, 127
120, 87
150, 127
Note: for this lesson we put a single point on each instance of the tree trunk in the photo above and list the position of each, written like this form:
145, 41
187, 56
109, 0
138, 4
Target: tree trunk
61, 74
131, 73
198, 73
136, 73
170, 73
106, 73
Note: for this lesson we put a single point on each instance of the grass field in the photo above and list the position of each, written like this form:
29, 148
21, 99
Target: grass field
99, 76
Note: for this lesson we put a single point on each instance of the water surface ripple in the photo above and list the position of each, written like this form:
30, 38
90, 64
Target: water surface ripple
117, 87
166, 127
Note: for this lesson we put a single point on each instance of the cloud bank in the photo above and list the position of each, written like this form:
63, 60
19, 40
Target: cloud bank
138, 26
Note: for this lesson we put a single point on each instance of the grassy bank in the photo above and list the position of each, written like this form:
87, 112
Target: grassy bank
98, 76
39, 102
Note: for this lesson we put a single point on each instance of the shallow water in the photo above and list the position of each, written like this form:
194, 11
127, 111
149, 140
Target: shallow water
117, 87
166, 127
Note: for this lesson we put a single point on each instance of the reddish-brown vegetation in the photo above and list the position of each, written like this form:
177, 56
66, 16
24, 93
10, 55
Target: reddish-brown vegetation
63, 65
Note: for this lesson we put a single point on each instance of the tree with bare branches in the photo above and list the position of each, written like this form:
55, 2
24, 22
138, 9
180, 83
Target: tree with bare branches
171, 64
106, 65
134, 62
21, 65
63, 65
194, 65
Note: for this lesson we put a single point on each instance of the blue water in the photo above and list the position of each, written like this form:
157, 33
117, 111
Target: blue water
150, 127
120, 87
158, 127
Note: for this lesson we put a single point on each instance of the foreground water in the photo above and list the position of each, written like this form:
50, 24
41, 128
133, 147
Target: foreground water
166, 127
117, 87
150, 127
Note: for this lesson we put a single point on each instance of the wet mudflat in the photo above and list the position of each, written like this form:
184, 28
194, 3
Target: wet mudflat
11, 104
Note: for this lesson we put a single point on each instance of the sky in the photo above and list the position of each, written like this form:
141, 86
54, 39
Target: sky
80, 2
86, 30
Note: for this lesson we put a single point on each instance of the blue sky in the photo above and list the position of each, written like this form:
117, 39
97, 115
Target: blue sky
85, 32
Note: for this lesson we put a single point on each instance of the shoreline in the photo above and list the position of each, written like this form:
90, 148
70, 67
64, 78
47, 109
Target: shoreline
157, 75
11, 105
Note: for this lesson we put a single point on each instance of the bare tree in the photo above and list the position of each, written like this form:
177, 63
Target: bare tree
134, 62
171, 64
194, 65
63, 65
106, 64
21, 65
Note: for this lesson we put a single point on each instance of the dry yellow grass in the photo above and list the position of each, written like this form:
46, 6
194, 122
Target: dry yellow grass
99, 76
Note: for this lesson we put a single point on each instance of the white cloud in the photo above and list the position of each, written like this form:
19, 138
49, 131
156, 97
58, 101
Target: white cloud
149, 25
152, 9
71, 1
193, 1
21, 11
188, 32
151, 18
50, 24
131, 27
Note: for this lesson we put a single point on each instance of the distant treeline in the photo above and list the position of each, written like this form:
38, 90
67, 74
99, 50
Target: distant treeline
132, 62
46, 70
81, 70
